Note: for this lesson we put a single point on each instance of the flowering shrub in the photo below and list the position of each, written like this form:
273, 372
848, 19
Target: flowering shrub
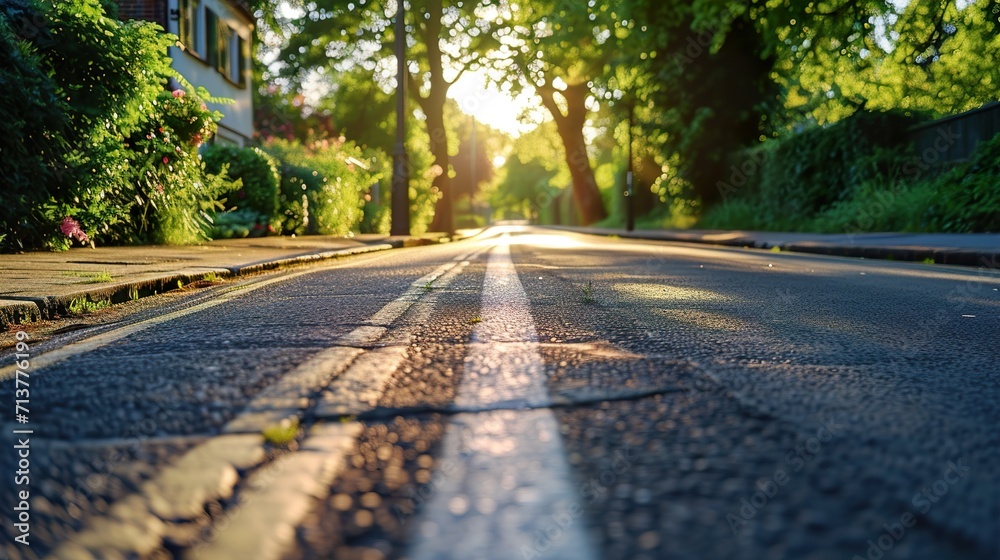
175, 195
188, 116
71, 229
88, 133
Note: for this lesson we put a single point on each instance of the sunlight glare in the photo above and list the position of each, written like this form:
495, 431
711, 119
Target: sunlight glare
496, 108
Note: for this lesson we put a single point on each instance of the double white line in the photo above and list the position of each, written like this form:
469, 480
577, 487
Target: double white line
508, 494
277, 496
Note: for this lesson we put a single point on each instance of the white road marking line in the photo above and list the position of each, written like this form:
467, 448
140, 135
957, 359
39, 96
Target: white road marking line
508, 491
278, 497
320, 458
281, 500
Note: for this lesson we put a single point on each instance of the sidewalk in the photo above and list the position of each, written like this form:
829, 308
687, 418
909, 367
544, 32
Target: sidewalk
39, 285
966, 249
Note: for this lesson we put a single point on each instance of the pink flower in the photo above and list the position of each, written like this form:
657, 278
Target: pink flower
165, 160
178, 93
71, 228
159, 188
204, 107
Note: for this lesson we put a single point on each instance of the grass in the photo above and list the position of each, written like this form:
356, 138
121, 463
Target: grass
878, 205
928, 260
92, 277
282, 434
133, 293
588, 293
82, 306
102, 276
476, 319
211, 277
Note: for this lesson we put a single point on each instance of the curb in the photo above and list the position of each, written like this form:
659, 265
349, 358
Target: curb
18, 310
958, 257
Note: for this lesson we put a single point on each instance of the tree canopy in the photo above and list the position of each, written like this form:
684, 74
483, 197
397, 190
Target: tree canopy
702, 79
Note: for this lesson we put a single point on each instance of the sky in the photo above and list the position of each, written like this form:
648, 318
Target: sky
496, 108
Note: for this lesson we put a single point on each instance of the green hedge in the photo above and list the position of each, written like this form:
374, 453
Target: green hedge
259, 175
866, 188
333, 186
32, 114
812, 170
967, 198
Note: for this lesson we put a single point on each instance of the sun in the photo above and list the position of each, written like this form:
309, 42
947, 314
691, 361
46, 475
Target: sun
496, 108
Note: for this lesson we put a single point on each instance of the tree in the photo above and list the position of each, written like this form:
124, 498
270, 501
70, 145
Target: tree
705, 72
472, 164
445, 39
921, 56
558, 48
533, 176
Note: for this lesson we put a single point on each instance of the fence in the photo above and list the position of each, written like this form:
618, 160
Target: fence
955, 137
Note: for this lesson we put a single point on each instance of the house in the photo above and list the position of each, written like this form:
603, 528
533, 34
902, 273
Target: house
213, 52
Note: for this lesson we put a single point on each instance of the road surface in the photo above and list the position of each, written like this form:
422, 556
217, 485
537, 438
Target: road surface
526, 393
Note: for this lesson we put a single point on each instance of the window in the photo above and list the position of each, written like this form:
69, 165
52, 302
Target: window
188, 24
225, 62
242, 56
212, 38
225, 50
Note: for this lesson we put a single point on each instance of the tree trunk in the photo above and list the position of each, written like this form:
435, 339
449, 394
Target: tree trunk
585, 191
646, 173
439, 149
570, 127
434, 109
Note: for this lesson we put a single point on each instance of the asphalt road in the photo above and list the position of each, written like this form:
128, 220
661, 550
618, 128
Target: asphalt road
528, 394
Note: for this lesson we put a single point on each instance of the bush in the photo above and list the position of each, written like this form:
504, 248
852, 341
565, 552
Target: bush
333, 186
258, 172
845, 177
878, 205
812, 170
298, 186
95, 79
112, 74
240, 223
90, 142
967, 198
175, 194
33, 120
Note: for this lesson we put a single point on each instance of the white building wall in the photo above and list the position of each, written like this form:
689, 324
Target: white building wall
236, 126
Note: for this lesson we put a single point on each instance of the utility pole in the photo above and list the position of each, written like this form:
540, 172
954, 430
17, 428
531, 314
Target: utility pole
400, 165
629, 207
